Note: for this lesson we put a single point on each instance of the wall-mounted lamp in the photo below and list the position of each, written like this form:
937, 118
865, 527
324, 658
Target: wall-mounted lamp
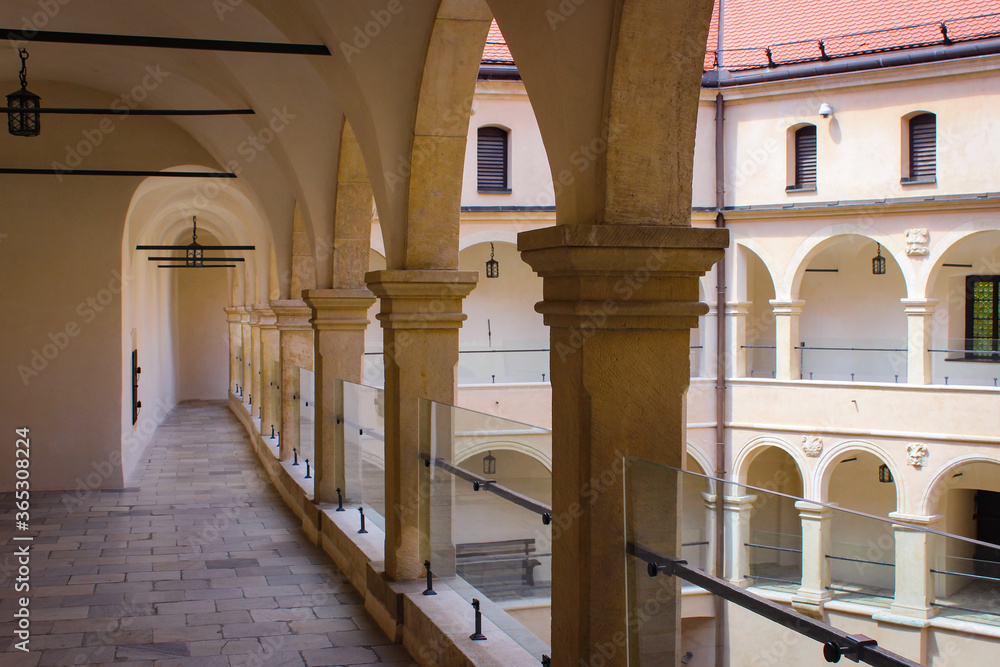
492, 266
23, 119
878, 263
825, 110
884, 474
489, 464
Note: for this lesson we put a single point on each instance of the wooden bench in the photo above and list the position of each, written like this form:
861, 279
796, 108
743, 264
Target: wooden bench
508, 562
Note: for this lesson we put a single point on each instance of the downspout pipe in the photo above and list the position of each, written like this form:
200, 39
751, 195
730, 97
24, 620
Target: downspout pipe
720, 352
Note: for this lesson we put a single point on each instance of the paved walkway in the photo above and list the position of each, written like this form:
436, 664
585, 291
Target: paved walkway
199, 562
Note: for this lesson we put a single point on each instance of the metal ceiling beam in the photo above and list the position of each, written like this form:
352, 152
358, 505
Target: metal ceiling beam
200, 259
133, 112
205, 247
118, 172
145, 41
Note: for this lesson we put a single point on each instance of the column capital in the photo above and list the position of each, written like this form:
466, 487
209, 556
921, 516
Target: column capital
813, 512
919, 306
741, 308
740, 503
426, 299
244, 314
339, 309
787, 306
292, 315
622, 276
233, 315
266, 317
917, 520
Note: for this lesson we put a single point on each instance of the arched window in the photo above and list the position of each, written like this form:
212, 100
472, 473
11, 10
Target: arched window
492, 160
922, 149
802, 154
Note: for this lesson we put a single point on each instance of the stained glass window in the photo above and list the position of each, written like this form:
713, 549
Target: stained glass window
981, 316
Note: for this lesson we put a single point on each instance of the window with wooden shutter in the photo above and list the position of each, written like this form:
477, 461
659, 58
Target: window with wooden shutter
982, 317
805, 158
492, 160
923, 148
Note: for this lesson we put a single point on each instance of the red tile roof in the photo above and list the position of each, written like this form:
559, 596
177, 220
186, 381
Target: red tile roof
793, 29
496, 51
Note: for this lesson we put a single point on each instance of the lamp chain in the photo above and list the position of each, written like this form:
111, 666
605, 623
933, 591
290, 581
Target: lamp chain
24, 67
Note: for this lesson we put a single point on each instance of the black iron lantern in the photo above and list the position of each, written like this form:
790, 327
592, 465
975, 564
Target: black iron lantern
195, 253
23, 119
878, 263
489, 464
884, 474
492, 266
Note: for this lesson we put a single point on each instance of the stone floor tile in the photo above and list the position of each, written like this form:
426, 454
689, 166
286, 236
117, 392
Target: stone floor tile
199, 562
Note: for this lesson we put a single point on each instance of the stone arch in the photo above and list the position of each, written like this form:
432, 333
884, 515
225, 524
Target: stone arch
478, 448
702, 459
758, 331
352, 223
789, 285
931, 270
487, 235
440, 133
748, 244
932, 493
828, 463
752, 449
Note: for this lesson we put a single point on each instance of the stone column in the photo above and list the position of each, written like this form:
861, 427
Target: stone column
296, 351
736, 322
914, 559
255, 362
339, 320
709, 352
787, 360
737, 511
919, 318
817, 532
710, 523
620, 301
421, 312
235, 341
270, 345
246, 379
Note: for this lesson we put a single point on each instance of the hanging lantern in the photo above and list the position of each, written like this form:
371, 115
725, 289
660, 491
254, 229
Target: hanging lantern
195, 253
884, 474
23, 119
492, 266
878, 263
489, 464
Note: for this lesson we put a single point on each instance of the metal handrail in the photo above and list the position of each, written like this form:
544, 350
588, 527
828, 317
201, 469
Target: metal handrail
767, 546
982, 577
485, 484
860, 560
836, 642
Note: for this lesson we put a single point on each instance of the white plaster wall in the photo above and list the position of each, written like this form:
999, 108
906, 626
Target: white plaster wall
202, 334
505, 104
62, 247
852, 308
863, 137
501, 316
854, 485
